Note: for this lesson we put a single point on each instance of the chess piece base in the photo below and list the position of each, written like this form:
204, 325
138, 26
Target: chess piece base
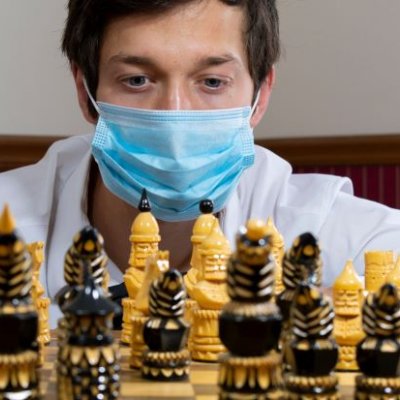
377, 388
19, 378
311, 387
250, 378
166, 366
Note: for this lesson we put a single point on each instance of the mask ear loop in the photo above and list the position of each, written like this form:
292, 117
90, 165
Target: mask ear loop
96, 107
255, 104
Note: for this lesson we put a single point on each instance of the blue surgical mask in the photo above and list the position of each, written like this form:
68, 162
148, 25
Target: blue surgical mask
179, 157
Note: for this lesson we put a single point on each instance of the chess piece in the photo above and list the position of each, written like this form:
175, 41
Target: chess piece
250, 323
144, 240
201, 229
166, 332
377, 265
278, 251
87, 246
312, 352
88, 365
210, 294
302, 263
18, 316
155, 267
378, 354
347, 301
42, 303
393, 276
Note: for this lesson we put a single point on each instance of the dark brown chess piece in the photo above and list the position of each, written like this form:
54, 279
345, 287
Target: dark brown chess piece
165, 332
18, 317
301, 263
312, 352
250, 323
88, 244
378, 354
88, 364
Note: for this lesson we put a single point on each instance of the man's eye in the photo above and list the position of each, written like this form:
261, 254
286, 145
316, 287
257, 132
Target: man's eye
213, 83
136, 80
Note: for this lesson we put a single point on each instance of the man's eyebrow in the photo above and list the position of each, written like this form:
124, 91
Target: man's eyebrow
145, 61
217, 60
131, 60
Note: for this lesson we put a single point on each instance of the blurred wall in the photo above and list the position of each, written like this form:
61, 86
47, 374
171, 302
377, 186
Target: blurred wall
339, 73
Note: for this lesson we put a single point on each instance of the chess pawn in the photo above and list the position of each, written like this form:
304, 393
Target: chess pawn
393, 276
312, 352
278, 251
144, 240
378, 354
155, 267
210, 294
166, 332
347, 300
378, 265
18, 316
250, 323
88, 365
42, 303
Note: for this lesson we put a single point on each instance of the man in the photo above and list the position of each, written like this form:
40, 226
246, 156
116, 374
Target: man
176, 87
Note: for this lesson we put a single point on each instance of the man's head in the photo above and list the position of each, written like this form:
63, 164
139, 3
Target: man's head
152, 53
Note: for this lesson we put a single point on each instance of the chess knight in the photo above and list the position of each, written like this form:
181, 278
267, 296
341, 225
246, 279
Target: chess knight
18, 317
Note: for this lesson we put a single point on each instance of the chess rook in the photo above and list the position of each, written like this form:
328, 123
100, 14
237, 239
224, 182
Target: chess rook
250, 324
165, 332
18, 317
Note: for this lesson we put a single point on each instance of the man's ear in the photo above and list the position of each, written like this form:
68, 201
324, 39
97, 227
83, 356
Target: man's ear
83, 97
263, 100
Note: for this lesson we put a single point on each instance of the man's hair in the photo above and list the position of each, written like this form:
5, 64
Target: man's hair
87, 20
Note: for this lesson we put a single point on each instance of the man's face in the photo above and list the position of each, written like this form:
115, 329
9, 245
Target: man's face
192, 57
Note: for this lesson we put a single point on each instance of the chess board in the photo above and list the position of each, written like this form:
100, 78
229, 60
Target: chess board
202, 384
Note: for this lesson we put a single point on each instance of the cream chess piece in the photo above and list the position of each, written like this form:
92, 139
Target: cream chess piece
41, 303
144, 240
377, 265
210, 294
278, 251
347, 301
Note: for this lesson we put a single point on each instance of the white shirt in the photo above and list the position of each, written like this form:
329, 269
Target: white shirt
48, 201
